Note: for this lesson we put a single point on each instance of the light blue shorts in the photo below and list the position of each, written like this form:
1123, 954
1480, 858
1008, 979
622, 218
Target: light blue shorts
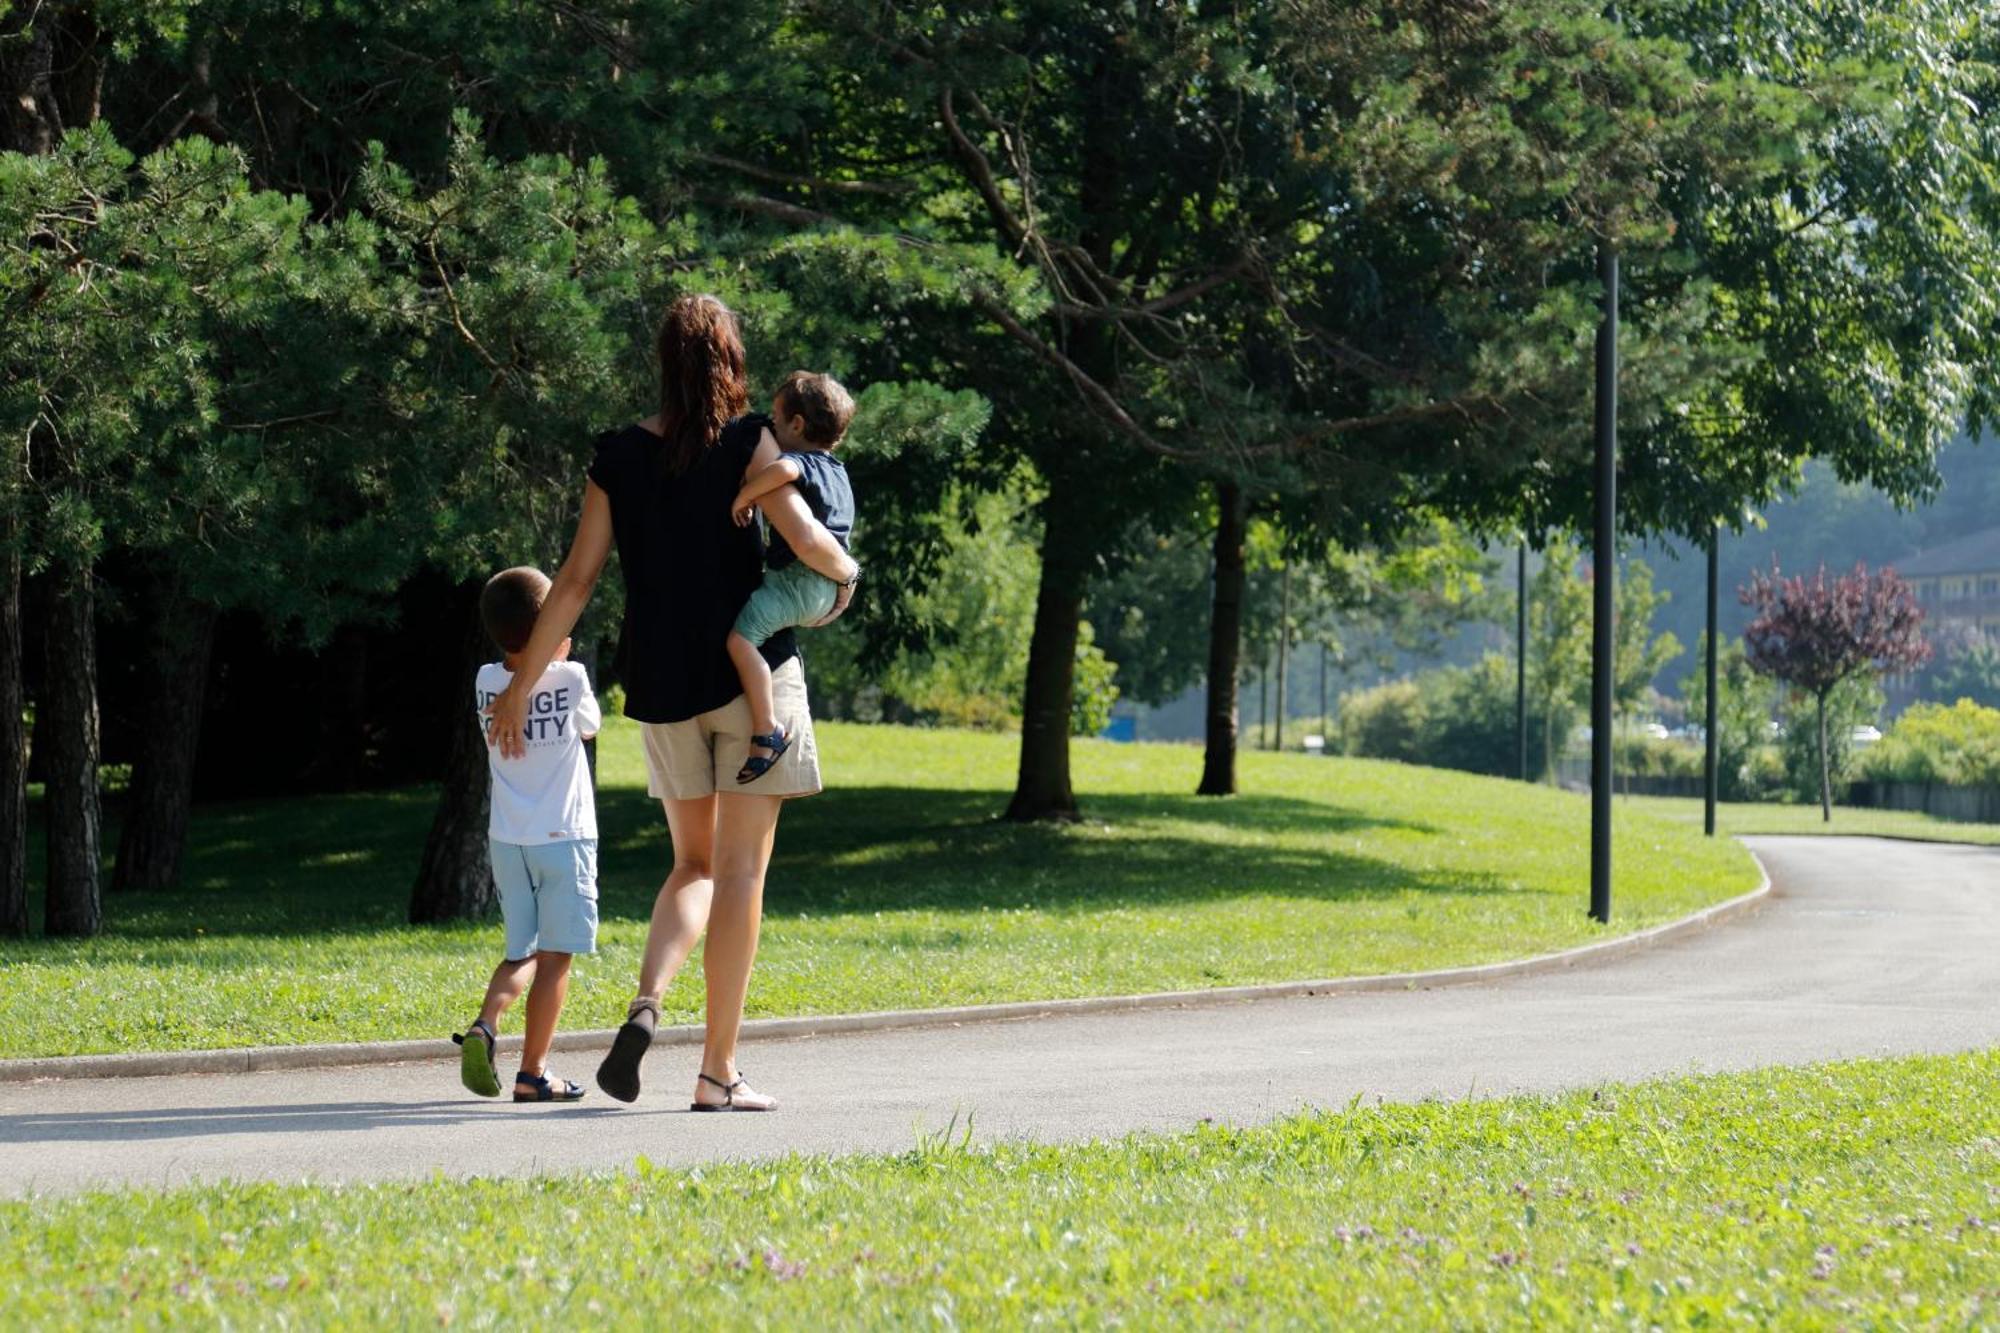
794, 595
548, 896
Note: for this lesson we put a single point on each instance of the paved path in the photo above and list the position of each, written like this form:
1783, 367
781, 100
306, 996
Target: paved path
1865, 947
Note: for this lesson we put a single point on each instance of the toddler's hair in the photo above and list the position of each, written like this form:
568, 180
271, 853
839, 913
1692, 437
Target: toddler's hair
509, 604
825, 405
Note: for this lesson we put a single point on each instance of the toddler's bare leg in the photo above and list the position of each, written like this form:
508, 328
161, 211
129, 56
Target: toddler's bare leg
755, 673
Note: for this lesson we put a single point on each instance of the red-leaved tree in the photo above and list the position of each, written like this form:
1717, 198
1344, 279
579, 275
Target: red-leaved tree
1815, 633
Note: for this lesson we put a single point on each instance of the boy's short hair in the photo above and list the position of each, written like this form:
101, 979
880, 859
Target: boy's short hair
826, 407
509, 604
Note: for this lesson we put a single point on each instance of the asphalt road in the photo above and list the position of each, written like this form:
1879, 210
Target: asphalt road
1865, 947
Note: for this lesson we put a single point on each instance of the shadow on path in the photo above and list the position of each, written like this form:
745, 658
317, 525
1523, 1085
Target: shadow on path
182, 1122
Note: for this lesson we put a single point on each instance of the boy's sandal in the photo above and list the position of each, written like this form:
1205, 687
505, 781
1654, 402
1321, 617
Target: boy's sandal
542, 1088
729, 1102
618, 1075
757, 765
475, 1060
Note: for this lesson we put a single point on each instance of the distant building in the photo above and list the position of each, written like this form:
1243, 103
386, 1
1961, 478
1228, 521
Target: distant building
1956, 584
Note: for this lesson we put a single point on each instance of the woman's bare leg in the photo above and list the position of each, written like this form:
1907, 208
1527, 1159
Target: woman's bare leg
744, 830
680, 911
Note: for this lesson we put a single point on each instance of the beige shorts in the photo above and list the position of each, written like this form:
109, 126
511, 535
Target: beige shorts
699, 757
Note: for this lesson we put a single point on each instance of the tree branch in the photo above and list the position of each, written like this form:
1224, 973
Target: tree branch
751, 169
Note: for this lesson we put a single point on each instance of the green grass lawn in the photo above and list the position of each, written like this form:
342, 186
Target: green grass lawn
1736, 818
1860, 1195
896, 889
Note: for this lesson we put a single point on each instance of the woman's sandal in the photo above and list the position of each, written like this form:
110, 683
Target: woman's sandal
728, 1102
757, 765
542, 1088
619, 1074
475, 1061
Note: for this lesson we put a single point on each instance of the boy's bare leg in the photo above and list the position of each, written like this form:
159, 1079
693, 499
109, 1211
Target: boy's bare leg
509, 980
545, 1002
755, 673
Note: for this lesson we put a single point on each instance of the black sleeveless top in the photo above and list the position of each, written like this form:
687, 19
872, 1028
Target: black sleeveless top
688, 570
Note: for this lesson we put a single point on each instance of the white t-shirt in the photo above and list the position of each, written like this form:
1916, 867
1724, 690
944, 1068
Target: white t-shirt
544, 796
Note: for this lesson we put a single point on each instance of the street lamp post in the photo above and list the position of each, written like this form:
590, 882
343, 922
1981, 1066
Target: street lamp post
1521, 658
1604, 558
1711, 778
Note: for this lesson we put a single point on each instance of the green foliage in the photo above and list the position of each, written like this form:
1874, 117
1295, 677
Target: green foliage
1855, 702
1093, 692
893, 888
1559, 618
1854, 1193
1743, 819
1968, 667
1453, 717
1385, 721
1743, 715
1956, 744
1638, 655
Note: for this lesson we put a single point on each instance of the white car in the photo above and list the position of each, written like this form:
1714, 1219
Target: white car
1865, 735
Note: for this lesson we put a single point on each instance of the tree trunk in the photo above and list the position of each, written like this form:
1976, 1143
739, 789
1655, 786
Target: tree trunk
1042, 790
13, 738
1225, 646
1825, 768
69, 710
455, 879
181, 636
1549, 756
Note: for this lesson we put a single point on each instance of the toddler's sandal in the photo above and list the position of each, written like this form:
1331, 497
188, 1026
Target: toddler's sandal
475, 1060
757, 765
542, 1088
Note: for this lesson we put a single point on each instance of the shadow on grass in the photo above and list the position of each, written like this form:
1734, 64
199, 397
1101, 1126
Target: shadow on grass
342, 864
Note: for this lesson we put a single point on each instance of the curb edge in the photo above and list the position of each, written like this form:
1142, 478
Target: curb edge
336, 1055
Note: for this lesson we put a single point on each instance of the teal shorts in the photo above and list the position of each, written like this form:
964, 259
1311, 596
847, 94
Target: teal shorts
548, 895
791, 596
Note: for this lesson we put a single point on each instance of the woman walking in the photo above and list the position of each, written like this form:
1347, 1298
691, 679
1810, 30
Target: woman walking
661, 490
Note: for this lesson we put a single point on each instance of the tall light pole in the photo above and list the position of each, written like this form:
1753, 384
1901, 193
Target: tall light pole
1604, 559
1521, 658
1710, 777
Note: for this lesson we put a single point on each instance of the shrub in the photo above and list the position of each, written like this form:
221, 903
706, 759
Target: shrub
1640, 755
1384, 721
1957, 744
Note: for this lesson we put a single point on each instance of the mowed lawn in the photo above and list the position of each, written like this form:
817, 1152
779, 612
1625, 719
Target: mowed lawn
898, 888
1861, 1195
1748, 817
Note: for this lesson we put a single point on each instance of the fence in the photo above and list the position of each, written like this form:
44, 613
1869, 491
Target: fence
1573, 772
1966, 805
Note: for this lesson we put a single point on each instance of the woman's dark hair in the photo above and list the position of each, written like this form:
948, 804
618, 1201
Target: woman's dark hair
702, 382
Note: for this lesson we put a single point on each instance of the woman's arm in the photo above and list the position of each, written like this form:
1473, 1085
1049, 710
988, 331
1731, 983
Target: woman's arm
819, 550
786, 510
568, 595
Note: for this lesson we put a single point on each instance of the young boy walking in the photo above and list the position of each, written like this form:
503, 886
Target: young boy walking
809, 415
542, 836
